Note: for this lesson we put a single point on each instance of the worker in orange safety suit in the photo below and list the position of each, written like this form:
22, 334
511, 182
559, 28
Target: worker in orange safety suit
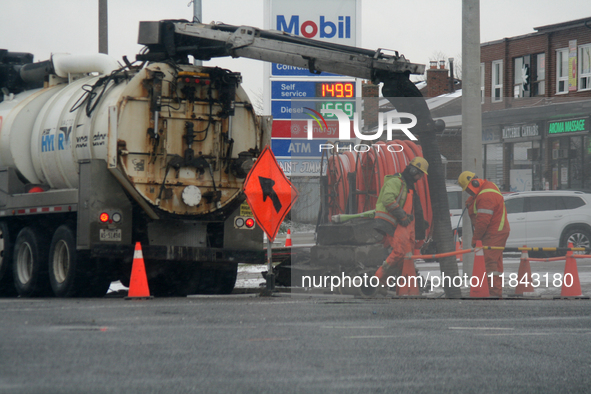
399, 215
486, 207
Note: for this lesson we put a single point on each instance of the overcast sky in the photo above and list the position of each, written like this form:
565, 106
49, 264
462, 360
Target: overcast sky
419, 29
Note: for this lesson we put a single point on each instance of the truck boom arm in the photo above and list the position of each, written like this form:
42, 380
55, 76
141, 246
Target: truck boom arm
177, 39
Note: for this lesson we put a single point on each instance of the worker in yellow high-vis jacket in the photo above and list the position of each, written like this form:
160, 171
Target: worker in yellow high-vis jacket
397, 209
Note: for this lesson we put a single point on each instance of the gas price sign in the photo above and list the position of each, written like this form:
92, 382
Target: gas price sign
328, 94
335, 89
347, 107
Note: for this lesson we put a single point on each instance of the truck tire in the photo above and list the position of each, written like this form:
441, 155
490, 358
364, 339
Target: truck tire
65, 275
30, 264
72, 273
7, 288
217, 281
173, 278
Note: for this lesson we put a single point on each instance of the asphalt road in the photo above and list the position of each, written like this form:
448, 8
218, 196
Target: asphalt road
294, 344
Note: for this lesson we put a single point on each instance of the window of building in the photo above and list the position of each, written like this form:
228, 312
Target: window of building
585, 67
481, 83
493, 164
562, 71
497, 81
538, 75
520, 77
529, 75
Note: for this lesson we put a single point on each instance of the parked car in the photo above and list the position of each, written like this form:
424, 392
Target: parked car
454, 199
549, 218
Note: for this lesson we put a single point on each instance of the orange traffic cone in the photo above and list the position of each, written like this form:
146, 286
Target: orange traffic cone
524, 275
479, 271
410, 274
138, 283
571, 286
288, 239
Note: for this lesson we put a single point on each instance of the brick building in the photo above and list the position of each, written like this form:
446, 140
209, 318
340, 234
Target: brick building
536, 102
536, 107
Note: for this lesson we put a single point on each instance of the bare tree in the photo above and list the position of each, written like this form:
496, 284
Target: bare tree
257, 100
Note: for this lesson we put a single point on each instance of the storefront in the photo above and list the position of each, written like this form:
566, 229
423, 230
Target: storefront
523, 147
569, 154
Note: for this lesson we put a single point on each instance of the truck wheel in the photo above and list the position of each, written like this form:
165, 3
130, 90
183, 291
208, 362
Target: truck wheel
73, 273
173, 278
30, 264
64, 274
217, 281
7, 288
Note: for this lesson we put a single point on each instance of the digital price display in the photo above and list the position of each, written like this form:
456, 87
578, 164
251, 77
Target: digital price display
348, 107
335, 89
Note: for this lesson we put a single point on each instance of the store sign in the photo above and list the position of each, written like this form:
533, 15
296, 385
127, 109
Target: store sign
302, 167
491, 134
521, 131
530, 130
511, 132
568, 126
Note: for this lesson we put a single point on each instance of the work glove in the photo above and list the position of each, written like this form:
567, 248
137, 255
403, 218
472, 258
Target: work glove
406, 221
398, 213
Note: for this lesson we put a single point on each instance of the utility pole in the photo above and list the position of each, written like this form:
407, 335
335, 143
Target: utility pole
103, 24
197, 17
471, 109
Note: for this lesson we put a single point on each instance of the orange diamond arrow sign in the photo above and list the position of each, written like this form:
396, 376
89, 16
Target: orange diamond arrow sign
269, 193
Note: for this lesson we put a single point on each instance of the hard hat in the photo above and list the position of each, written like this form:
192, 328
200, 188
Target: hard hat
420, 163
465, 178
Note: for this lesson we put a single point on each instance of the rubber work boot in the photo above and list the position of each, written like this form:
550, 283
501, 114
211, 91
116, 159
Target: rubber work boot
381, 274
495, 288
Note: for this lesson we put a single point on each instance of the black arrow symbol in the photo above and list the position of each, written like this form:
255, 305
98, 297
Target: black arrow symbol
267, 186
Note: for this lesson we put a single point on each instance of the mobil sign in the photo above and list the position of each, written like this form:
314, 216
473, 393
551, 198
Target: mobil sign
311, 29
326, 20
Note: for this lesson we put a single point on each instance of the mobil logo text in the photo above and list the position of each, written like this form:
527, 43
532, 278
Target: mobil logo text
321, 28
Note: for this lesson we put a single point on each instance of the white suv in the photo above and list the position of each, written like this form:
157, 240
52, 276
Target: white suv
549, 218
454, 199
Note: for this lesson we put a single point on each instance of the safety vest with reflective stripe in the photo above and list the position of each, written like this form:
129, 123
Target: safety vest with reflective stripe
488, 214
490, 211
394, 193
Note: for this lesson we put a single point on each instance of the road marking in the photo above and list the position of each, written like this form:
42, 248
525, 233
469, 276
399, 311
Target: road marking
372, 336
353, 327
515, 334
480, 328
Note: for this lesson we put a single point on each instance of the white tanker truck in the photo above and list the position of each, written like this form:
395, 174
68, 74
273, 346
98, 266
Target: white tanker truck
99, 157
95, 157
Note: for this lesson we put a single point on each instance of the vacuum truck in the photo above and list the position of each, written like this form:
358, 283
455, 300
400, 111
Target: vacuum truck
95, 157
